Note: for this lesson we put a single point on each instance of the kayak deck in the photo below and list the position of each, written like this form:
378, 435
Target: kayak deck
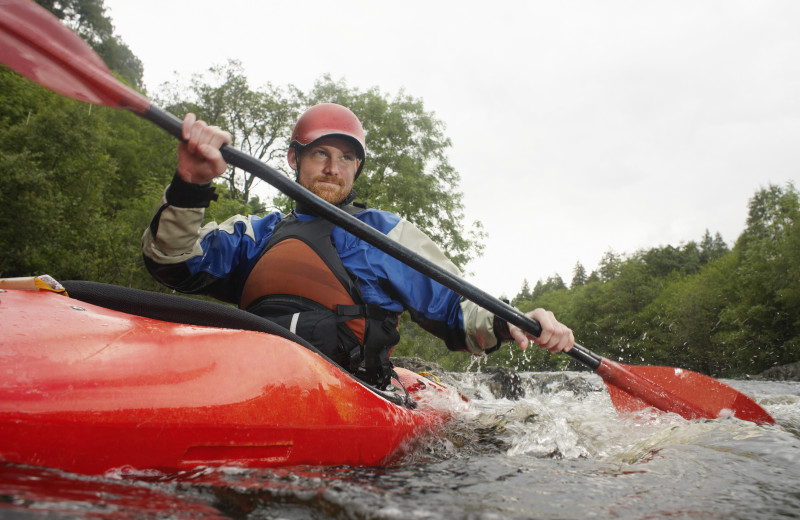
88, 389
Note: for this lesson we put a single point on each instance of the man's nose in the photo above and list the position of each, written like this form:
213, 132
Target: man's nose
331, 166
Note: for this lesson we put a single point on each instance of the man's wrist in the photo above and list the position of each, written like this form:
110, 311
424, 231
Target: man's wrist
501, 330
184, 194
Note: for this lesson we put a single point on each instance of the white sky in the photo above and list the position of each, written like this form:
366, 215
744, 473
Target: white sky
578, 126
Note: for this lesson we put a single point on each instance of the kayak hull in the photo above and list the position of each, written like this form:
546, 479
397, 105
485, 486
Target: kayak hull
88, 389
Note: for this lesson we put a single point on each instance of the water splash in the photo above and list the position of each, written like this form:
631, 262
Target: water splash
476, 361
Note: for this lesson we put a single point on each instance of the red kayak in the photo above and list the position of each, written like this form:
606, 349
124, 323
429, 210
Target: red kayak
87, 389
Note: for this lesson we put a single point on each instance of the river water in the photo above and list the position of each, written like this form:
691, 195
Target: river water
560, 451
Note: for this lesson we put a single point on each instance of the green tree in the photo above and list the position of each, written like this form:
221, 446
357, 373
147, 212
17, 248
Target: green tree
80, 185
54, 162
524, 293
83, 179
578, 275
760, 318
712, 248
259, 120
553, 283
730, 317
610, 265
662, 261
682, 323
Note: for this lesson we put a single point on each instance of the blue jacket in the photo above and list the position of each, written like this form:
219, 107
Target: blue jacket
216, 260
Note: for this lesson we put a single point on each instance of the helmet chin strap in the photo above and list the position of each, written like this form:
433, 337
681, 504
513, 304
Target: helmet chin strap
297, 150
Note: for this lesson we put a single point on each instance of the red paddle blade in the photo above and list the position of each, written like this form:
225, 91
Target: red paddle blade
35, 44
687, 393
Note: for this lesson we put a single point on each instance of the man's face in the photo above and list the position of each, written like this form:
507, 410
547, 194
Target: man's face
327, 168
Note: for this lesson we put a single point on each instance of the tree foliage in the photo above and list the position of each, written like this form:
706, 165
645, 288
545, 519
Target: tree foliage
523, 294
705, 307
259, 120
578, 275
71, 197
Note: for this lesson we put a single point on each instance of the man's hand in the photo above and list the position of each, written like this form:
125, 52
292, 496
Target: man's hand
555, 336
199, 158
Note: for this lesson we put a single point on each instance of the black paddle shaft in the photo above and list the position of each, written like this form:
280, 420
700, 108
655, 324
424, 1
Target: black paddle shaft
372, 236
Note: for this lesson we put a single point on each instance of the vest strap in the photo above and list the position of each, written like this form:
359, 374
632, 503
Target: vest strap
366, 310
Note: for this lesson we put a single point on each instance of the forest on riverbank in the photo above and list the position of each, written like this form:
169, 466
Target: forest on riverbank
721, 311
80, 184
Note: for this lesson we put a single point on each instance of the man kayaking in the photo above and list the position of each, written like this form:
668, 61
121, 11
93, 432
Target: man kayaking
341, 294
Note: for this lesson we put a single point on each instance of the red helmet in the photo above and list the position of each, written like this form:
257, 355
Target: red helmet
330, 119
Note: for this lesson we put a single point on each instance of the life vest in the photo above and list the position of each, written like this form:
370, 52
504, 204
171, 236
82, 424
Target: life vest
300, 283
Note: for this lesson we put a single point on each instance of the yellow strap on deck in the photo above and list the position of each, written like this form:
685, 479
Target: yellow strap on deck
44, 282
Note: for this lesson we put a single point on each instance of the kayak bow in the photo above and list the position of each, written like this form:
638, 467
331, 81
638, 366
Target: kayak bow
89, 389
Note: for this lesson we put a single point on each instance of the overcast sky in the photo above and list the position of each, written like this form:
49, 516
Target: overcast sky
577, 126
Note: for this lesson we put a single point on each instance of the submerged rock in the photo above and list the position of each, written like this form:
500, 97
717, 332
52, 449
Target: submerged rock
790, 372
551, 382
421, 366
504, 382
416, 364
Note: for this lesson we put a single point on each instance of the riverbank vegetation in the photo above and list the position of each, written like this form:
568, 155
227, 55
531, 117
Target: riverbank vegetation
704, 306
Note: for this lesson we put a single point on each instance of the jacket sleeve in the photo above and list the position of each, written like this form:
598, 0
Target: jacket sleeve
462, 324
186, 257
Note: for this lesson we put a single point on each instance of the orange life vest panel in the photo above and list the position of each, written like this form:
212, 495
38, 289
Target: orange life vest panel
301, 283
292, 267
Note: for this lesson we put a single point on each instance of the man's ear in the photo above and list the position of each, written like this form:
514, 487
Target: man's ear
291, 157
